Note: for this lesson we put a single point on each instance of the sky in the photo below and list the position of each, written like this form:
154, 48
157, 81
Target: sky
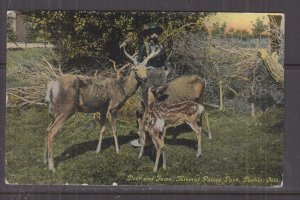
237, 20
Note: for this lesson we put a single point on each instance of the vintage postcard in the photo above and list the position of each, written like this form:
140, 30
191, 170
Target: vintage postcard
144, 98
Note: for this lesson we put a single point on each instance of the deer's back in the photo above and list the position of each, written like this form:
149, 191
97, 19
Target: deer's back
98, 94
94, 94
185, 88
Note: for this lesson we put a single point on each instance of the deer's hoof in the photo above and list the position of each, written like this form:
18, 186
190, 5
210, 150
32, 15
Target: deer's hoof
51, 166
52, 170
198, 155
98, 149
140, 155
164, 167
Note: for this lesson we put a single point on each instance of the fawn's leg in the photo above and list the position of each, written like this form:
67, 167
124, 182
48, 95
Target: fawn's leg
142, 137
164, 149
197, 131
207, 123
142, 141
158, 152
157, 143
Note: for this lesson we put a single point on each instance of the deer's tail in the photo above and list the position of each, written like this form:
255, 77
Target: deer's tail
51, 94
200, 109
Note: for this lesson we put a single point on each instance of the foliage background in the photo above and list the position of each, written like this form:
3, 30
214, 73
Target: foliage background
95, 33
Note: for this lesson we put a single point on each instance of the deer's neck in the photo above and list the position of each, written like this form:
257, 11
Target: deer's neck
130, 84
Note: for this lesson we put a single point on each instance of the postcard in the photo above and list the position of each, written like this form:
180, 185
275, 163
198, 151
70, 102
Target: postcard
144, 98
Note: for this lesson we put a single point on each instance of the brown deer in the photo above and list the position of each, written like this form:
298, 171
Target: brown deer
75, 93
159, 116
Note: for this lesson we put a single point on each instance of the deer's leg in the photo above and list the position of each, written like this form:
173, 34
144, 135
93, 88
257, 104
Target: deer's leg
142, 141
142, 136
139, 113
51, 132
208, 126
114, 130
158, 152
46, 140
197, 131
46, 149
157, 144
102, 122
164, 158
164, 149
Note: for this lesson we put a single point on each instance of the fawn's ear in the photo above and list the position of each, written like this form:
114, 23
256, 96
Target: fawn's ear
161, 89
139, 121
150, 106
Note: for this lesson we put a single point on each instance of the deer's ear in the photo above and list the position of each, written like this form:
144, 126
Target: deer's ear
152, 89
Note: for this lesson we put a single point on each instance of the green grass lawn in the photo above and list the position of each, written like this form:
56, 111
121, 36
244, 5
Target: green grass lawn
243, 151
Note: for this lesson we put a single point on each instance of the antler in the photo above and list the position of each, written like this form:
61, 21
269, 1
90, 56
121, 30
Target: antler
118, 71
121, 69
152, 54
132, 58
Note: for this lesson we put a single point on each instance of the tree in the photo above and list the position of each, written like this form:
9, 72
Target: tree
241, 34
218, 29
96, 33
258, 27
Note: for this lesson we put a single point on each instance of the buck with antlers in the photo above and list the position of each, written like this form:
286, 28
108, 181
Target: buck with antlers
74, 93
159, 116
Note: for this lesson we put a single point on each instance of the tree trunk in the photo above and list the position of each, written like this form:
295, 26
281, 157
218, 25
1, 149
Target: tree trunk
252, 103
221, 95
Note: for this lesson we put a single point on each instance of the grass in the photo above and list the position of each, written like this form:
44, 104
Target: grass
243, 151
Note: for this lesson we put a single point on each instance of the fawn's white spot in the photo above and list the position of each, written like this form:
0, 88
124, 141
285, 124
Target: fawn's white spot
160, 123
200, 109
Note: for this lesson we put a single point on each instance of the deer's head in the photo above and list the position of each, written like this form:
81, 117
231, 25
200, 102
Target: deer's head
140, 71
156, 93
139, 67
